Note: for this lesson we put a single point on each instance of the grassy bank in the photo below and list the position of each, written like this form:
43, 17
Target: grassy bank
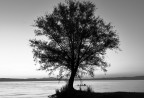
83, 94
89, 93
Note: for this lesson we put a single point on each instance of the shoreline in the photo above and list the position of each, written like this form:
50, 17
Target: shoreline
83, 94
21, 80
76, 79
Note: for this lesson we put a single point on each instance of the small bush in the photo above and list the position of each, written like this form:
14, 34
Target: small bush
62, 89
89, 89
65, 92
57, 91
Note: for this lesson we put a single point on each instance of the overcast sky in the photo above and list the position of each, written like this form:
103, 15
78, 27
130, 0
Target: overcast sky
17, 18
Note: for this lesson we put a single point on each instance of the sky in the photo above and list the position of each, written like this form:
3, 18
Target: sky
17, 18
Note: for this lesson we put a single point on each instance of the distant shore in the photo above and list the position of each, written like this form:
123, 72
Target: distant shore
55, 79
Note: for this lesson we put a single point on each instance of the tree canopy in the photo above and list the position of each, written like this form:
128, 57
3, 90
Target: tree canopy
77, 40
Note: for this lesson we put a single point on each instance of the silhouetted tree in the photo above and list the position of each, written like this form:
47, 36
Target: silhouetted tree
77, 40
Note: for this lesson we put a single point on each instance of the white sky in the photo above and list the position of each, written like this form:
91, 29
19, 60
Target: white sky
17, 18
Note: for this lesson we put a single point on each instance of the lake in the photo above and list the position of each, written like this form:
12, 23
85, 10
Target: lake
42, 89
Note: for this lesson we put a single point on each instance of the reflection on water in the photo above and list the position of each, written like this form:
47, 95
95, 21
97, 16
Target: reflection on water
41, 89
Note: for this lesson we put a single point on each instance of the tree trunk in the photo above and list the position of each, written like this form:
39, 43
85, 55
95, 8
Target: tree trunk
71, 80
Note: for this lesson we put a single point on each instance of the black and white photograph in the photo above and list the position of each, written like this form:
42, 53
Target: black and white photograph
71, 48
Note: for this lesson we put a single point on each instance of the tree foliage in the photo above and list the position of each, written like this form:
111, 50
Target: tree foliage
77, 40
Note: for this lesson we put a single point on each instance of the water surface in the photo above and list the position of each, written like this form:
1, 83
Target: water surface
41, 89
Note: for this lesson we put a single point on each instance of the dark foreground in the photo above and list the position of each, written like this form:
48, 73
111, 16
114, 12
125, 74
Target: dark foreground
64, 92
83, 94
90, 94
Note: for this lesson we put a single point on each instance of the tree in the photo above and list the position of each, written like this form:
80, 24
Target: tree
76, 42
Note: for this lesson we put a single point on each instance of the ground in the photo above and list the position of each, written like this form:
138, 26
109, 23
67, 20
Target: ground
64, 93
